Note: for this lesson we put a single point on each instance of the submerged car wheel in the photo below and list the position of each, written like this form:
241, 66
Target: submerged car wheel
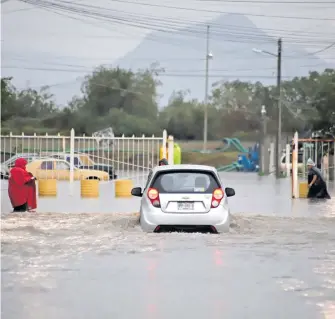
4, 176
112, 175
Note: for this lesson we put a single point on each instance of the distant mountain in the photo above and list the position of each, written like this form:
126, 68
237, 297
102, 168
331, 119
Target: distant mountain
232, 39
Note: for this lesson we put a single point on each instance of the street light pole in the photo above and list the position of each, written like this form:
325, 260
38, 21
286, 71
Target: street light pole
206, 93
279, 111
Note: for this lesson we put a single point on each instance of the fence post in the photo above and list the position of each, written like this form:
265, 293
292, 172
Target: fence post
72, 136
171, 150
295, 182
164, 143
64, 145
287, 160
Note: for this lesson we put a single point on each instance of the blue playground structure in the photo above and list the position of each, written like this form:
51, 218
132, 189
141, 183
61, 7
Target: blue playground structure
248, 161
233, 143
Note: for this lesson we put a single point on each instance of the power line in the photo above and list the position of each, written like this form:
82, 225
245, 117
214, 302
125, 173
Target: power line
269, 2
148, 37
145, 26
77, 66
175, 22
165, 26
39, 55
161, 74
282, 33
18, 10
213, 24
23, 58
226, 12
110, 65
324, 49
156, 40
46, 86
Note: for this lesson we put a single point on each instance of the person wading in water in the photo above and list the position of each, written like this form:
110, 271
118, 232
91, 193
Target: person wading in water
316, 183
21, 187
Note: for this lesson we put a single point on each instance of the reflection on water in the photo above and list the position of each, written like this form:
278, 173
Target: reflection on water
48, 258
254, 195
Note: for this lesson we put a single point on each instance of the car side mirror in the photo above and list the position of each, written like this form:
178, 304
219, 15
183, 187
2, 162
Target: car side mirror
137, 191
229, 191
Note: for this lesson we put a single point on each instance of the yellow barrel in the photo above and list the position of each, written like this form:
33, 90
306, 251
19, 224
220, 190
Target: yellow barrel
123, 187
89, 188
47, 187
303, 189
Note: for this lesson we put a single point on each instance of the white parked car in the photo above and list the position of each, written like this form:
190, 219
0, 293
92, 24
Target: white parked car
184, 197
283, 162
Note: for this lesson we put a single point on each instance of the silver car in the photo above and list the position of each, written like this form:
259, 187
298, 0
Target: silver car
184, 197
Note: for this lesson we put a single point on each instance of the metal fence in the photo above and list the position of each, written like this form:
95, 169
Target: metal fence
130, 157
322, 152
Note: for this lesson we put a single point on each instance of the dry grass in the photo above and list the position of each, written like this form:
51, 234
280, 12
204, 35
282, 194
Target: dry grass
198, 145
213, 159
211, 145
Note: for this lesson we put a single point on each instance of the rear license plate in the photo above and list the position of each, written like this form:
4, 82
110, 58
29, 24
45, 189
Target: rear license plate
185, 205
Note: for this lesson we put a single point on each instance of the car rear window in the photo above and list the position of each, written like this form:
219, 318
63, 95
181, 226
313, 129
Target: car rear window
187, 181
75, 160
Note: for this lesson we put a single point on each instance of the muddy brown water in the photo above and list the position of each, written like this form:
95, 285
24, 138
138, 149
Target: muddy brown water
277, 261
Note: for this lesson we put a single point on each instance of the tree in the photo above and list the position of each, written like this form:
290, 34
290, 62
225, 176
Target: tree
8, 106
239, 105
23, 111
324, 100
310, 101
185, 118
112, 94
127, 101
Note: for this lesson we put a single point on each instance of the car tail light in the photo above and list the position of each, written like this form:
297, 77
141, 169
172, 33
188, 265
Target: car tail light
217, 197
153, 195
214, 230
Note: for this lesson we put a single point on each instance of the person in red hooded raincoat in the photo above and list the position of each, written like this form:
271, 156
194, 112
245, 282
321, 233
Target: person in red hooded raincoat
21, 187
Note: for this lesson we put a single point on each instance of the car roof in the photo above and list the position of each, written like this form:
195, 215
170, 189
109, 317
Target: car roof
17, 155
25, 154
76, 154
48, 159
165, 168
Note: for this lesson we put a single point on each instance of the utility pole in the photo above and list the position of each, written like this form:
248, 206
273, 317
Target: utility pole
208, 56
279, 125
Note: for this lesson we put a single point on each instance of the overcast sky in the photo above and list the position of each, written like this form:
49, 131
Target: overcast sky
38, 38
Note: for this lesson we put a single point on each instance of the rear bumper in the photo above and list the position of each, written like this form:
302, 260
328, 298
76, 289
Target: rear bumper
217, 217
107, 169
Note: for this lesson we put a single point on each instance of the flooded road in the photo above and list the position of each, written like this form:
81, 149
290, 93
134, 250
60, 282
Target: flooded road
277, 261
254, 195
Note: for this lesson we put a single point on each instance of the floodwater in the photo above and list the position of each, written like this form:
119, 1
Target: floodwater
277, 261
254, 195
